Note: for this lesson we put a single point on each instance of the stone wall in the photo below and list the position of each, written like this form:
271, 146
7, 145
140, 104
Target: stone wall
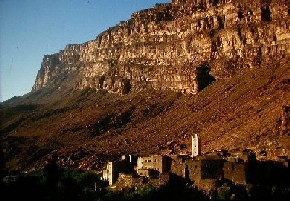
236, 172
128, 181
178, 165
184, 46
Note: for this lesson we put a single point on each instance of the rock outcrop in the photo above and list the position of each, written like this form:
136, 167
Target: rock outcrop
184, 46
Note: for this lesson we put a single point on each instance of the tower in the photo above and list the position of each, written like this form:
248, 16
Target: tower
195, 143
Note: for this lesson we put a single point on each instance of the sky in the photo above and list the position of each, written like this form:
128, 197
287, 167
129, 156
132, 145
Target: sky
30, 29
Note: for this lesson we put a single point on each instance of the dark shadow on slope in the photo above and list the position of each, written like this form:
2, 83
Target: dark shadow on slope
203, 76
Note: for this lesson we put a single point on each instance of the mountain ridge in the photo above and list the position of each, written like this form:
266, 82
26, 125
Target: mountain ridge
174, 46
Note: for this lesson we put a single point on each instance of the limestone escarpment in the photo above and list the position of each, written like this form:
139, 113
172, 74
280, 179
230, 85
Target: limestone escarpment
175, 46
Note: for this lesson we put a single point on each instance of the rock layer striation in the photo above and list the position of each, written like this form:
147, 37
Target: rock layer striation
183, 46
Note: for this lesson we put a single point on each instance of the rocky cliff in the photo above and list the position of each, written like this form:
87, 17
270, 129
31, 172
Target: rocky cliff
184, 46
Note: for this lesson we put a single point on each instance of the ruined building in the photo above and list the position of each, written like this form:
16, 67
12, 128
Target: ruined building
206, 172
183, 46
113, 168
154, 164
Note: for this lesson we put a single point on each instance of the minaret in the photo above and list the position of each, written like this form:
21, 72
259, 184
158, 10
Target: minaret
195, 143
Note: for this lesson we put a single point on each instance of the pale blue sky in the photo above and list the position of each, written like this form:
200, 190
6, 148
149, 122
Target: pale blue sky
30, 29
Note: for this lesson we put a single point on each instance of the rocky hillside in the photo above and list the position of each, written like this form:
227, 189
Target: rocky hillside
216, 68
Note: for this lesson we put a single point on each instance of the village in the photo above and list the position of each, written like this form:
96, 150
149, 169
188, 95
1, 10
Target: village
203, 172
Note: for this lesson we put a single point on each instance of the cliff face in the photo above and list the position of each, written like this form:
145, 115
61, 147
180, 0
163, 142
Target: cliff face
184, 46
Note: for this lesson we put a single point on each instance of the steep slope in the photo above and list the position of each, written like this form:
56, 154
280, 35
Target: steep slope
242, 112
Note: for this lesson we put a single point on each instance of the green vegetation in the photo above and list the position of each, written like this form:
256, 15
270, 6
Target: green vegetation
52, 184
55, 184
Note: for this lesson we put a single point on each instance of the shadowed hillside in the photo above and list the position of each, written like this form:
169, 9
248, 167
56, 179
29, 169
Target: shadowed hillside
88, 127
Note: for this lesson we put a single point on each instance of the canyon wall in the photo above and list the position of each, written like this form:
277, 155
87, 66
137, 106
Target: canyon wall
184, 46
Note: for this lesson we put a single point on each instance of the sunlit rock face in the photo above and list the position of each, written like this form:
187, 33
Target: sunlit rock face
183, 46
